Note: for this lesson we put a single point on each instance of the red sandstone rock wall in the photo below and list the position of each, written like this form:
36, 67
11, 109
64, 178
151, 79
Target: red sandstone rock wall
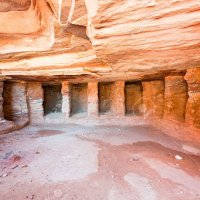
66, 100
79, 99
1, 100
118, 106
15, 101
35, 102
176, 95
193, 105
105, 95
133, 98
92, 93
153, 98
118, 40
136, 37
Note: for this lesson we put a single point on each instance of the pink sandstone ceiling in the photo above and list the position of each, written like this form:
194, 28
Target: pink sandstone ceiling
98, 39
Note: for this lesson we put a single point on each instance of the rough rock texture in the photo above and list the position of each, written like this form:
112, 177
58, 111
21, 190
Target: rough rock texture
35, 102
142, 35
78, 13
106, 93
79, 98
119, 99
61, 9
97, 39
193, 105
133, 98
14, 5
1, 100
66, 99
6, 126
30, 30
78, 42
176, 95
153, 98
15, 101
52, 99
93, 102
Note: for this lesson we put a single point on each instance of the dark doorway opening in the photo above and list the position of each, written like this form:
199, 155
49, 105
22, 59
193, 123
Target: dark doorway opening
105, 92
79, 98
52, 99
133, 98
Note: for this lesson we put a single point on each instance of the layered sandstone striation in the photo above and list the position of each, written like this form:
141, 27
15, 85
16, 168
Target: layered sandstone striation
104, 40
145, 35
100, 59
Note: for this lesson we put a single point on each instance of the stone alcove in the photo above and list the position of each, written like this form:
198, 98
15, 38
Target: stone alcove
52, 99
79, 99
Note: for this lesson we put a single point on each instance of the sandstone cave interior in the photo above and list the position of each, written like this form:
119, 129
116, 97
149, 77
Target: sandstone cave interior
99, 100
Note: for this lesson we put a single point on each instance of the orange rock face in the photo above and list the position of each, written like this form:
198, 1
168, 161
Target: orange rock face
145, 35
97, 39
153, 98
1, 100
93, 99
118, 58
15, 102
193, 109
176, 96
35, 102
14, 5
133, 99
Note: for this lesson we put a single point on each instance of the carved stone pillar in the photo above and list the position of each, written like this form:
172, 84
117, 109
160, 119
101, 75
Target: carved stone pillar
1, 100
93, 99
66, 99
35, 99
119, 99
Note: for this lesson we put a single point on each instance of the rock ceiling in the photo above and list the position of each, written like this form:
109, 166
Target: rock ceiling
98, 39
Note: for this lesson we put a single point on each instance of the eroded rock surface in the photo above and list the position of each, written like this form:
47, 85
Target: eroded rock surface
193, 109
15, 102
143, 35
153, 98
35, 102
121, 50
1, 100
98, 39
175, 98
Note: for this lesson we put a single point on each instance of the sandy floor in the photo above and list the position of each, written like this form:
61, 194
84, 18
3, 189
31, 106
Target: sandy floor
92, 163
